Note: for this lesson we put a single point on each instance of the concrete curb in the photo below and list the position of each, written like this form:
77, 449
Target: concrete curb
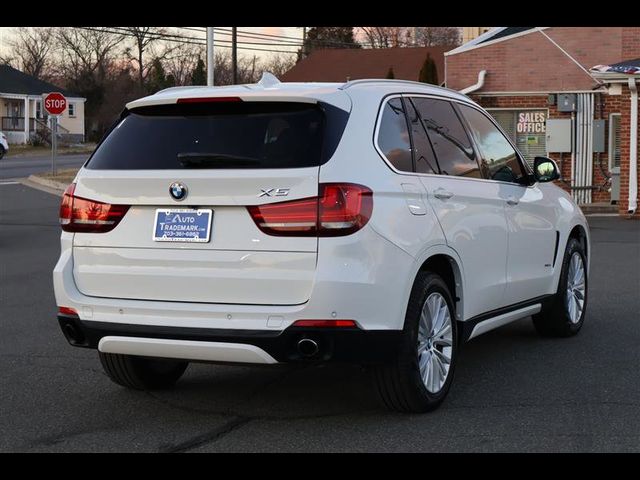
45, 182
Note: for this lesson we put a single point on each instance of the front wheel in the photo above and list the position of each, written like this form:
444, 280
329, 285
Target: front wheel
2, 152
142, 373
419, 378
566, 314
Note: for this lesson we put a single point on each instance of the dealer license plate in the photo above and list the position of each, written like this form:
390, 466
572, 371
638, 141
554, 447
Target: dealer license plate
182, 225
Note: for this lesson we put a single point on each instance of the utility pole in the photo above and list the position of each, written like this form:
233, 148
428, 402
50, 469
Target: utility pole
210, 61
234, 54
304, 39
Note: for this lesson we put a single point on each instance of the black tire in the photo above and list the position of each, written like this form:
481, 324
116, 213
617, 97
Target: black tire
399, 383
142, 373
2, 152
555, 319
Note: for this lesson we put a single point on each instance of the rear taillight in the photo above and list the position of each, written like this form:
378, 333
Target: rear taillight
82, 215
208, 99
67, 311
339, 209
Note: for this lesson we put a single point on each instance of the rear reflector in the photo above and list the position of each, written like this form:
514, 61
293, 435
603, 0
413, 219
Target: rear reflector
339, 209
82, 215
326, 323
67, 311
209, 99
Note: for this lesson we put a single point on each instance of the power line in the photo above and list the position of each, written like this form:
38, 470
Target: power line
241, 33
258, 35
285, 43
180, 39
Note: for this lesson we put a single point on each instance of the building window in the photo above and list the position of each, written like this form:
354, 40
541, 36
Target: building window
38, 109
72, 109
614, 141
526, 128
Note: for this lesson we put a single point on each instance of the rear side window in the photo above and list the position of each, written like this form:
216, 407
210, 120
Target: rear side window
499, 160
450, 141
393, 136
222, 135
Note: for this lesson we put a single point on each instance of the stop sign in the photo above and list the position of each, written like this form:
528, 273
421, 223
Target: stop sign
55, 103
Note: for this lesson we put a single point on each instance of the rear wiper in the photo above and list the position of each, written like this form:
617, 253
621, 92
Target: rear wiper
213, 160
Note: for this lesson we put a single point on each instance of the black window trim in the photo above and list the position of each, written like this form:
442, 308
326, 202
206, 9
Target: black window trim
407, 99
376, 130
412, 146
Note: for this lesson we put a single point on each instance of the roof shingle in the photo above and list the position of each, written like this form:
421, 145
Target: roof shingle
15, 81
340, 65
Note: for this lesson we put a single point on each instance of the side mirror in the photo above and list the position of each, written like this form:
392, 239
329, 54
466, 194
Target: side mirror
545, 169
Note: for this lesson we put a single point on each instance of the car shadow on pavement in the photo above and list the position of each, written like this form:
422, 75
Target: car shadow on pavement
283, 391
302, 391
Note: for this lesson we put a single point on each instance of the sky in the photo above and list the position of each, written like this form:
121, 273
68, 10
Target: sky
295, 32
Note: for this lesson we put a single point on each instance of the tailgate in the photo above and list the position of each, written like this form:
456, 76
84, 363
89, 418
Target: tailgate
273, 153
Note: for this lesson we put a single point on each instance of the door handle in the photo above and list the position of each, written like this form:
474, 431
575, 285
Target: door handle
442, 194
512, 200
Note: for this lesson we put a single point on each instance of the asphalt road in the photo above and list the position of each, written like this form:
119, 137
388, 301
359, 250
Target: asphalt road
513, 391
23, 166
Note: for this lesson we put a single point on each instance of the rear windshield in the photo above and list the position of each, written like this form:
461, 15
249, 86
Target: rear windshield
222, 135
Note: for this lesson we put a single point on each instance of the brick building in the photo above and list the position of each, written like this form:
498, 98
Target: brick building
538, 85
343, 64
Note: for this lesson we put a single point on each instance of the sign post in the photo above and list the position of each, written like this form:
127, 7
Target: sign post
54, 104
54, 142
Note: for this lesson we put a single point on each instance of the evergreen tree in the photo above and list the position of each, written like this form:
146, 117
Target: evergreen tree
428, 72
157, 79
199, 74
328, 37
390, 73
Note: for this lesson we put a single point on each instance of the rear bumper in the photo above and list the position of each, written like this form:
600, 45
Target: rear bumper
361, 277
334, 344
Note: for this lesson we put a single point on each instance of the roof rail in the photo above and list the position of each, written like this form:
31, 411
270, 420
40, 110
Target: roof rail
351, 83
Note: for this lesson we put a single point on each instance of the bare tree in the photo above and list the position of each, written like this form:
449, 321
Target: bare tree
384, 37
88, 62
30, 48
144, 52
86, 51
181, 62
432, 36
7, 60
223, 71
279, 64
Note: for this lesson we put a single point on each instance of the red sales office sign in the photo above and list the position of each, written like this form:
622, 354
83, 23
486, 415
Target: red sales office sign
54, 103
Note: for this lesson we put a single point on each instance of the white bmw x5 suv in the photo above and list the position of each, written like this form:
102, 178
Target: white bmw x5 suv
378, 222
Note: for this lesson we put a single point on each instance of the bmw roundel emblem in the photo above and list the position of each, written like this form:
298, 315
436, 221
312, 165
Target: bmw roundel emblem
178, 191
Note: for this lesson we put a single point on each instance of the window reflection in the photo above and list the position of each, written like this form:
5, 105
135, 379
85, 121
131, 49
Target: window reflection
448, 137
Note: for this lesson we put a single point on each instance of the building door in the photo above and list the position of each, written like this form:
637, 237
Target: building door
16, 114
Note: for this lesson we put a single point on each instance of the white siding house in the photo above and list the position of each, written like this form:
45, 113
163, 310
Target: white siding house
21, 113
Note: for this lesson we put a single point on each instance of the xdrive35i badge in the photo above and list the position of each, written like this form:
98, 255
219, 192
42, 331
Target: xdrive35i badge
178, 191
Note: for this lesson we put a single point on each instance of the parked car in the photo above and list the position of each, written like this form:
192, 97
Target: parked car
380, 222
4, 145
